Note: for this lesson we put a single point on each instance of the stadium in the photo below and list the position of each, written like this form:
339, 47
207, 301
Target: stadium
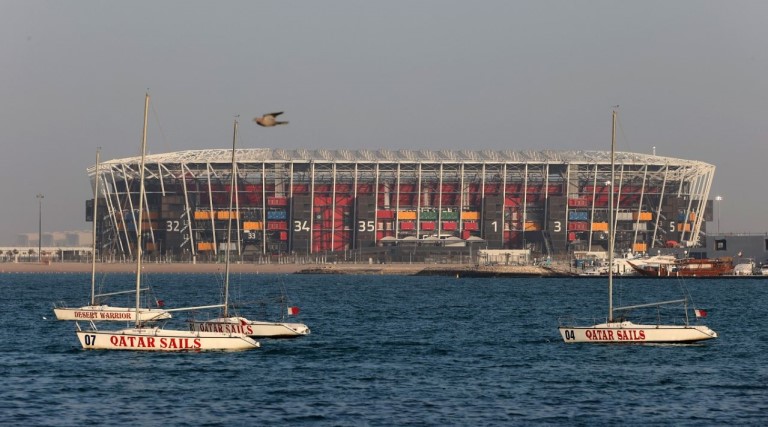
396, 205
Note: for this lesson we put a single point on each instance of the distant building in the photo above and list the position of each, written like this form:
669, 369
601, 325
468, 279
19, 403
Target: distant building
55, 238
742, 246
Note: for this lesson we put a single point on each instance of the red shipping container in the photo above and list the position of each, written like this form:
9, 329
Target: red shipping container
277, 225
407, 225
283, 235
578, 226
385, 214
277, 201
449, 225
578, 203
471, 226
465, 234
428, 225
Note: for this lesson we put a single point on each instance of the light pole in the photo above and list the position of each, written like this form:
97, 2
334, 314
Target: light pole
718, 199
40, 198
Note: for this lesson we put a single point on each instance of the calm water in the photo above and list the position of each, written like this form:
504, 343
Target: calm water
390, 350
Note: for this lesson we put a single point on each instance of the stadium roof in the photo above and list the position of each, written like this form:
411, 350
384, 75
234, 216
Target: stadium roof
389, 156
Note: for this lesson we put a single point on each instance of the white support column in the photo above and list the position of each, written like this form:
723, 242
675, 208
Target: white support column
188, 210
210, 205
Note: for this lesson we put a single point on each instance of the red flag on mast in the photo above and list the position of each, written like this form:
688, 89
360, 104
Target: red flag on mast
292, 311
700, 313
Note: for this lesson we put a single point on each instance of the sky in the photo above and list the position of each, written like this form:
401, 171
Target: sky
690, 76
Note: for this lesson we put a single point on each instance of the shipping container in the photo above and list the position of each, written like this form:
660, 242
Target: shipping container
450, 225
642, 216
532, 226
578, 226
201, 215
578, 216
385, 214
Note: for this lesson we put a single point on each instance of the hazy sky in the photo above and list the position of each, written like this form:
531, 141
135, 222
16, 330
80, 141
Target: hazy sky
691, 78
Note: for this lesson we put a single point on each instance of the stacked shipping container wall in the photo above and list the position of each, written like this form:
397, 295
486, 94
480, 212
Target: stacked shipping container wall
322, 205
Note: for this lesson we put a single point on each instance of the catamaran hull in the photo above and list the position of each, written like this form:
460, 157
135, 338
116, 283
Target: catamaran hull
629, 333
156, 339
105, 313
251, 328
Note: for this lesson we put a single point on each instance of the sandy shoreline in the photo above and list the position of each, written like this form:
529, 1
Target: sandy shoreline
395, 269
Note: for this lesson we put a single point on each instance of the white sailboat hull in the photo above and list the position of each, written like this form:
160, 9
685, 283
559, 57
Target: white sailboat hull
629, 333
251, 328
106, 313
157, 339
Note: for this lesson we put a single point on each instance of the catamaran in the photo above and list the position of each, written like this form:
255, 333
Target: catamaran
227, 323
617, 329
155, 338
105, 312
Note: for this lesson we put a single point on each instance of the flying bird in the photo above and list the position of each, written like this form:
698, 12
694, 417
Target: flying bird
269, 120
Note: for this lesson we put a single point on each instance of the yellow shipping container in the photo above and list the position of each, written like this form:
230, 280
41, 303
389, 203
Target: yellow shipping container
640, 247
532, 226
642, 216
470, 215
406, 215
599, 226
252, 225
202, 214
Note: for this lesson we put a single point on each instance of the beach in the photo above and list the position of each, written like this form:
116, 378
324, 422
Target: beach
254, 268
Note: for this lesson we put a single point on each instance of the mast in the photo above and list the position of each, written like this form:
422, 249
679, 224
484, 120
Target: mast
611, 239
229, 223
141, 210
93, 248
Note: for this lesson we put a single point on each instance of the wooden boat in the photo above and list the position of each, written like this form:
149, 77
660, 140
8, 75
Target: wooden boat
687, 267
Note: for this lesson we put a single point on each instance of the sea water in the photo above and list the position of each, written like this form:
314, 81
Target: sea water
390, 350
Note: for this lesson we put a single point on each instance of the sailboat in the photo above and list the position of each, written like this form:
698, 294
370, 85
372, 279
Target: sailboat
617, 329
155, 338
104, 312
227, 323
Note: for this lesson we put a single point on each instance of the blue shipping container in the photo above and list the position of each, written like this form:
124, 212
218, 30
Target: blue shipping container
277, 215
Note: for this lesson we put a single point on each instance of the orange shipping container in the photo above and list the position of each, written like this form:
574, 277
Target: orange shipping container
252, 225
642, 216
532, 226
202, 215
470, 215
226, 215
639, 247
406, 215
599, 226
684, 227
